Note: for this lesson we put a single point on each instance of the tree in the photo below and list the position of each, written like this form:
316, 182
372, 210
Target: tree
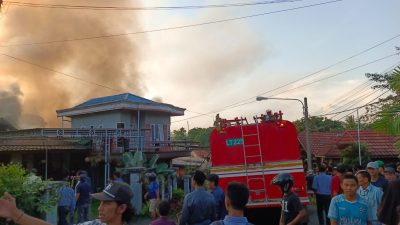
350, 123
29, 190
197, 134
385, 116
319, 124
179, 135
201, 135
350, 155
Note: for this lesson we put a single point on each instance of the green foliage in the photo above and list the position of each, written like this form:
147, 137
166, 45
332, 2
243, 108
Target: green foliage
179, 135
386, 116
177, 201
350, 155
197, 134
201, 135
350, 123
178, 194
144, 211
28, 190
319, 124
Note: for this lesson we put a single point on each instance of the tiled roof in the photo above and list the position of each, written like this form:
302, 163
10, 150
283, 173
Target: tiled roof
379, 145
320, 142
40, 144
115, 98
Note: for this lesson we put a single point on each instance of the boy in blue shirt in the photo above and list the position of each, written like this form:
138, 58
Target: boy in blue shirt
349, 208
153, 194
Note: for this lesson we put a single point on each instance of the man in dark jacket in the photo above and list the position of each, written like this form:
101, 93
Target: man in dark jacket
199, 205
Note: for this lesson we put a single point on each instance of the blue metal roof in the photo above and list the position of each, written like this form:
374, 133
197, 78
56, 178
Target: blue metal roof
115, 98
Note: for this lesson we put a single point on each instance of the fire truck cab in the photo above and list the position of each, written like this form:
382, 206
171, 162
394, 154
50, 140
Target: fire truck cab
253, 153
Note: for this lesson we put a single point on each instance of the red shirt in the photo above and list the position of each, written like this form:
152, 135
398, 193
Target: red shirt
335, 186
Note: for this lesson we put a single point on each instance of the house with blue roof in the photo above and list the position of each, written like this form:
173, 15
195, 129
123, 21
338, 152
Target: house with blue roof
124, 111
120, 111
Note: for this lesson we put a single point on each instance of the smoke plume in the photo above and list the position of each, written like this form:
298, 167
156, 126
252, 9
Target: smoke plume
106, 61
11, 108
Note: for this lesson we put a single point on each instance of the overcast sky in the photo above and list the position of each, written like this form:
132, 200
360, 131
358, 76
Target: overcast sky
205, 69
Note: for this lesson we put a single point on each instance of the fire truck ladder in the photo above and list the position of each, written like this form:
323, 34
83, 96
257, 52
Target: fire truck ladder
256, 164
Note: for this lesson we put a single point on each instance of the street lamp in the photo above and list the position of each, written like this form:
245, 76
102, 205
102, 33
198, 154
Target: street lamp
305, 113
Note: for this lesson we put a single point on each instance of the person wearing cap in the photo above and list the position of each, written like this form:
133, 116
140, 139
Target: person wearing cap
115, 207
335, 186
371, 194
198, 206
376, 179
218, 194
381, 168
390, 174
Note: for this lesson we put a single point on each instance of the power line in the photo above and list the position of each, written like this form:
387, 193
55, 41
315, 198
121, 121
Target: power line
328, 114
348, 94
92, 7
61, 73
367, 104
352, 98
171, 28
337, 74
246, 103
73, 76
355, 101
323, 69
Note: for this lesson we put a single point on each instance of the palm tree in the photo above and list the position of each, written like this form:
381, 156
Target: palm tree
388, 118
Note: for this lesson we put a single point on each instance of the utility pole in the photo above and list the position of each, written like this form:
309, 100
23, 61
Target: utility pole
307, 130
358, 138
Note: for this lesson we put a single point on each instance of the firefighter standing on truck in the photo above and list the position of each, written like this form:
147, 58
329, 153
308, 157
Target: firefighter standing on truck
292, 211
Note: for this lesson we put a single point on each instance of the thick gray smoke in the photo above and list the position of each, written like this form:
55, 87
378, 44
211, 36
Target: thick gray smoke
10, 105
111, 61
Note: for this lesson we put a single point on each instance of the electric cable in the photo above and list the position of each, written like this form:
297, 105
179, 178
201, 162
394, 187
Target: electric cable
361, 107
93, 7
169, 28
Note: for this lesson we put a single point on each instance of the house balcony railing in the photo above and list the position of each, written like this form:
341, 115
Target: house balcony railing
119, 140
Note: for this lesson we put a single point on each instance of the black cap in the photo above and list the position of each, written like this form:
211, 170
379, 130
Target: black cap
115, 191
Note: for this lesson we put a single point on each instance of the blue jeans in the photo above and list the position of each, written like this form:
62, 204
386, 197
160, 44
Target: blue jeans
83, 212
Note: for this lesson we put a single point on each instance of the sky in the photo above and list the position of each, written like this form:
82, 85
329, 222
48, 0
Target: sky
207, 69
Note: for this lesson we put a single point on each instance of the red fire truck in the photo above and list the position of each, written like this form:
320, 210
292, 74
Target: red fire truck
253, 153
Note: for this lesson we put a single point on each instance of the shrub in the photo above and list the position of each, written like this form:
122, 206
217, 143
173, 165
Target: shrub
27, 189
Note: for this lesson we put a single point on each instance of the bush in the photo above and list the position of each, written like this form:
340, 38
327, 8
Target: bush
27, 189
144, 211
177, 201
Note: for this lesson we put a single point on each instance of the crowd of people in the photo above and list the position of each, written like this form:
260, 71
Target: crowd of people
368, 195
343, 197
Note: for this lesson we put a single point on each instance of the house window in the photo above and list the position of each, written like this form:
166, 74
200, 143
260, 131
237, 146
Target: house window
157, 132
120, 125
